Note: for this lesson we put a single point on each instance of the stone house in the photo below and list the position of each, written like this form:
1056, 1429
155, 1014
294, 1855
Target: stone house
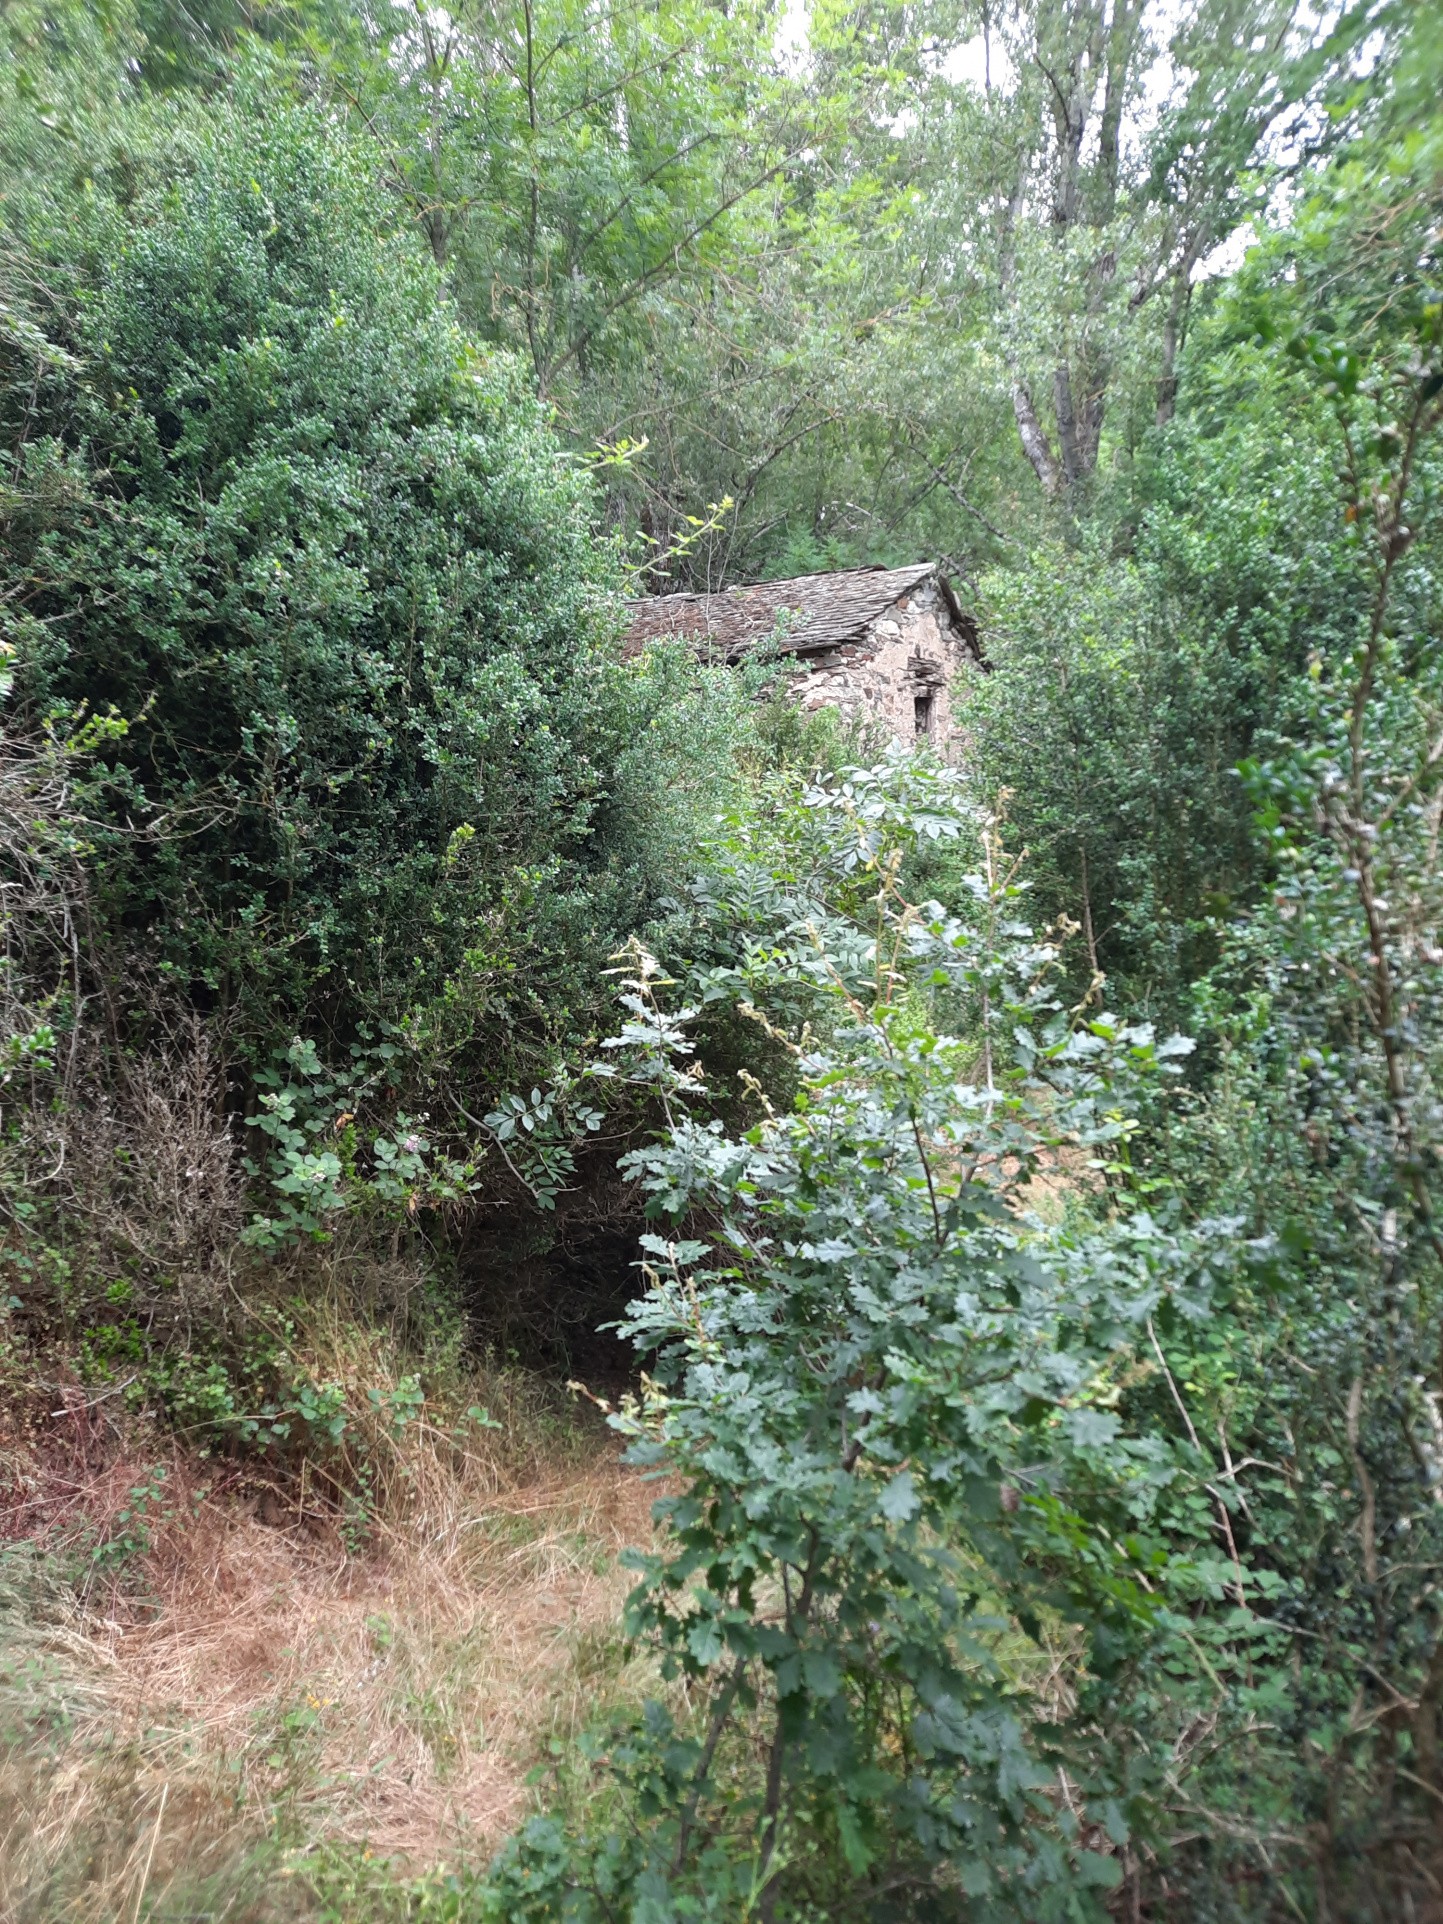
890, 644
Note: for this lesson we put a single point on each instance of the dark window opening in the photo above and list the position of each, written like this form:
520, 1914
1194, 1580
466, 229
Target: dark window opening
922, 709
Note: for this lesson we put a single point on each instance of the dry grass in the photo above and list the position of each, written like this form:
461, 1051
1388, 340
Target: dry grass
243, 1676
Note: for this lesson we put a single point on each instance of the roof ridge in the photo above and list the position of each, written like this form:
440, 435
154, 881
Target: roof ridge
833, 607
875, 568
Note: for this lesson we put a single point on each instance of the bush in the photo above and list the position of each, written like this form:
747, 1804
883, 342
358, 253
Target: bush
912, 1545
327, 560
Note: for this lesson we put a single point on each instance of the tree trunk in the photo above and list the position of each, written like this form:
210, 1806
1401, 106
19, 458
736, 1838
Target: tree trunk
1035, 444
1171, 338
1066, 424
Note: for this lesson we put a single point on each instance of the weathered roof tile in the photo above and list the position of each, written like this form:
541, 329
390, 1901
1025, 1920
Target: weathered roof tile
823, 611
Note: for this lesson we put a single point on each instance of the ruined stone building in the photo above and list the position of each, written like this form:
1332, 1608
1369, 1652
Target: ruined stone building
890, 644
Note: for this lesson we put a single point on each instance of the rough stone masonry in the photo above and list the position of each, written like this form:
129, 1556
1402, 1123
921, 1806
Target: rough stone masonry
892, 645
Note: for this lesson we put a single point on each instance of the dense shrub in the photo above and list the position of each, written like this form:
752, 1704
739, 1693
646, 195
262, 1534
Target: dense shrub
327, 561
885, 1379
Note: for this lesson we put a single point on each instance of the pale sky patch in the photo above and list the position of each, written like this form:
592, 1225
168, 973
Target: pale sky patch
793, 45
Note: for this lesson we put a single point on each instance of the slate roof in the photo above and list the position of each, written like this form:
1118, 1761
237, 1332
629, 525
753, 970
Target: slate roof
825, 611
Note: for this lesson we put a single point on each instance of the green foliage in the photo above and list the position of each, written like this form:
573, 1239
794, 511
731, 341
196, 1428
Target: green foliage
325, 557
1051, 1416
1320, 1124
317, 1165
131, 1530
889, 1390
1137, 671
870, 273
1113, 721
327, 560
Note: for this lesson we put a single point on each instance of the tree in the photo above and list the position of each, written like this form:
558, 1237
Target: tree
1108, 217
322, 554
565, 163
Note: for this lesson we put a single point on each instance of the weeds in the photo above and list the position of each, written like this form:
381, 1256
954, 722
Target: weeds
268, 1690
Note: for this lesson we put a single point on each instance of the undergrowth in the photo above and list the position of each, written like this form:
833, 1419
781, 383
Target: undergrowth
302, 1677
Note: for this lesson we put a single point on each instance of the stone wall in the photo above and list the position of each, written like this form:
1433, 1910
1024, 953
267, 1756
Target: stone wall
910, 674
